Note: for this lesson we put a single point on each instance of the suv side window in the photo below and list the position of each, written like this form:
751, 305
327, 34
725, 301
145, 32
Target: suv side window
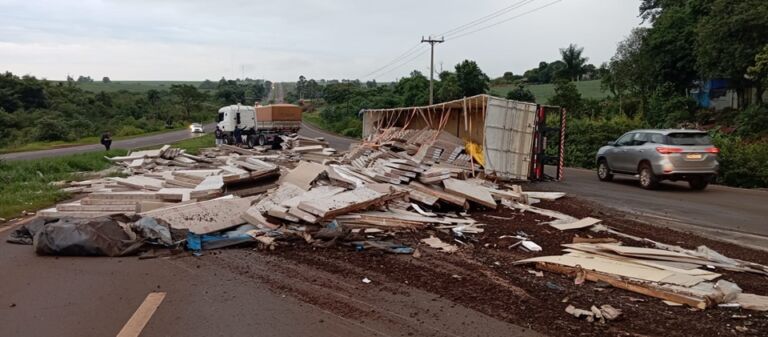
657, 138
641, 138
625, 140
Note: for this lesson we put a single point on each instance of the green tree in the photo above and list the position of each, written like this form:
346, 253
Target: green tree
522, 94
207, 85
472, 80
629, 73
671, 41
729, 38
153, 96
574, 62
448, 88
759, 73
567, 96
414, 89
188, 97
106, 79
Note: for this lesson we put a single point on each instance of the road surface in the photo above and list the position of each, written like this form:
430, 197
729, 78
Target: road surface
132, 143
233, 292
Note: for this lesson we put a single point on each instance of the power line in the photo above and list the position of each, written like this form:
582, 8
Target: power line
505, 20
461, 31
403, 63
493, 15
395, 60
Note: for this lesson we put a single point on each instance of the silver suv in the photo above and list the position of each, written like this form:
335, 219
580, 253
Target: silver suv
656, 155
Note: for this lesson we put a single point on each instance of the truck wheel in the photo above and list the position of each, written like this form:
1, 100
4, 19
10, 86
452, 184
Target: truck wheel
251, 141
262, 140
698, 183
603, 172
648, 180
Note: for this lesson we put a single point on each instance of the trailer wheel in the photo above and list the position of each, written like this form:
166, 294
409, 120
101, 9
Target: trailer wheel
262, 140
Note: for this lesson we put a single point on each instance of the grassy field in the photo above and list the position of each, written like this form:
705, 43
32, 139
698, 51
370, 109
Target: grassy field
193, 145
133, 86
313, 118
26, 184
588, 89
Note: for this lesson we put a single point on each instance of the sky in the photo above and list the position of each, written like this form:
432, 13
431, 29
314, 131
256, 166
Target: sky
282, 39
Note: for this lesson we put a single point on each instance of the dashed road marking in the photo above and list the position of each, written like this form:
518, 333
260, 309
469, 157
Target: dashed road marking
141, 317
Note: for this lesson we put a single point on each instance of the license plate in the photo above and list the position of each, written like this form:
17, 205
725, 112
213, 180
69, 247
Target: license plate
693, 156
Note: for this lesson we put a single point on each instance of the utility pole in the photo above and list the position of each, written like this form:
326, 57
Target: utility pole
432, 42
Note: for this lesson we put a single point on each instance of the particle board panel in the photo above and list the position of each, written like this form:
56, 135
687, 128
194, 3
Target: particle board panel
473, 192
204, 217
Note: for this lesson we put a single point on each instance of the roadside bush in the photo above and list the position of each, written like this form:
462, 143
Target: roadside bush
666, 108
753, 121
128, 130
742, 163
522, 94
584, 136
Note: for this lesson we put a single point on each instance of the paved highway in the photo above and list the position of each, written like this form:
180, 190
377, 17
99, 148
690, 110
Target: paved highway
132, 143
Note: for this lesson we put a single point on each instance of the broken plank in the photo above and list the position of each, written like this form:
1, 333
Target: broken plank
473, 192
583, 223
634, 286
442, 195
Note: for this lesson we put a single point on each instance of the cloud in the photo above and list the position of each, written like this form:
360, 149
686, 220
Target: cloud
280, 40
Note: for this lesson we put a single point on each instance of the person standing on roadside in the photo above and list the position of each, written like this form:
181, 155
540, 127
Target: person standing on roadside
219, 136
238, 136
106, 140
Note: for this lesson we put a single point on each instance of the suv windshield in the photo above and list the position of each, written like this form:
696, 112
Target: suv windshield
688, 138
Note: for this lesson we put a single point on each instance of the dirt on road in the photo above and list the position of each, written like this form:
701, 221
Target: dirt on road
482, 277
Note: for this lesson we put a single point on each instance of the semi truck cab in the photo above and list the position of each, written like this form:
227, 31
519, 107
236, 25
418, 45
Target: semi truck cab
259, 125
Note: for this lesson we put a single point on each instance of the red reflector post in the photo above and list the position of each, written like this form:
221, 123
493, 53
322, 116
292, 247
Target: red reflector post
668, 150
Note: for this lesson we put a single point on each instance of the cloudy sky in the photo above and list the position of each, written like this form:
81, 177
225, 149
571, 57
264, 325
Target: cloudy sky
282, 39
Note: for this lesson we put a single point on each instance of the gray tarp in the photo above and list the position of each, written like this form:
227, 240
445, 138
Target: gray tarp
116, 235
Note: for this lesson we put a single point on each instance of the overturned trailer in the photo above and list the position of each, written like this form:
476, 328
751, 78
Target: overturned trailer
511, 135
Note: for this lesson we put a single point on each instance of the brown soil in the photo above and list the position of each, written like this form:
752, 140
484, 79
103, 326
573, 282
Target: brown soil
481, 277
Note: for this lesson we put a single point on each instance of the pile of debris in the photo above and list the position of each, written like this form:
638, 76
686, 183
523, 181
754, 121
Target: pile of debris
403, 181
676, 275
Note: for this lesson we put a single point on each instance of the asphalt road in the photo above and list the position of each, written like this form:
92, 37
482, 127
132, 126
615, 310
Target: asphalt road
727, 213
223, 293
132, 143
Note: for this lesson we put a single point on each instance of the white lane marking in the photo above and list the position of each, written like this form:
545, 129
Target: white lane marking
141, 317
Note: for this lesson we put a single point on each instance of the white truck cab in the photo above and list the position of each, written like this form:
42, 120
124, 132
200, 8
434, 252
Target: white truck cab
258, 125
233, 116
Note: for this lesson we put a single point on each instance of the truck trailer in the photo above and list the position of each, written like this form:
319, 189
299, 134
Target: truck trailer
259, 125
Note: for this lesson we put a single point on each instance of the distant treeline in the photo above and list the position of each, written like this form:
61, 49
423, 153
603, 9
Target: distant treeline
34, 110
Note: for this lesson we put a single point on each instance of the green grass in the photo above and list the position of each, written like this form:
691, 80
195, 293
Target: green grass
543, 92
26, 184
313, 118
36, 146
193, 145
132, 86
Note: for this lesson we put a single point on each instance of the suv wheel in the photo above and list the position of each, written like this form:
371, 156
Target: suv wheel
698, 183
603, 172
648, 179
